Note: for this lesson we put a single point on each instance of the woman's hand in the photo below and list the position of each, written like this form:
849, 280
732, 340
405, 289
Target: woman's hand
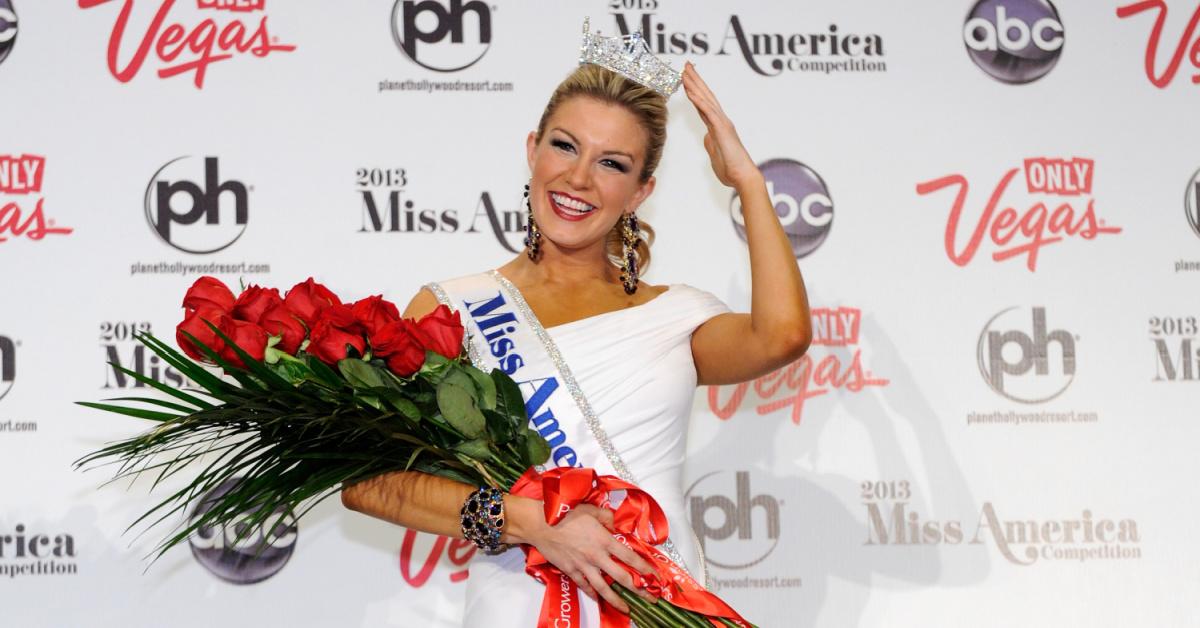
730, 161
581, 545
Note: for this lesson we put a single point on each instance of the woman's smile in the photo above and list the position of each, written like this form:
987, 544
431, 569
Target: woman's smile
568, 207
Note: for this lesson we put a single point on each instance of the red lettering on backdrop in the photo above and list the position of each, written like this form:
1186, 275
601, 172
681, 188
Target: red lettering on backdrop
206, 42
22, 174
1162, 80
1024, 233
459, 552
796, 383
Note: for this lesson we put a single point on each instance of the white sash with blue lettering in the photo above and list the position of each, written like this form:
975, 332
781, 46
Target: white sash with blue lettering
503, 333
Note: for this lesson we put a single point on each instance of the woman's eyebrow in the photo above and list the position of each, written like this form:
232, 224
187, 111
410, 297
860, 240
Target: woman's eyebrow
576, 140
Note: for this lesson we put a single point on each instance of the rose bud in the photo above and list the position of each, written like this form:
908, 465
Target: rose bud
375, 312
444, 331
402, 344
279, 321
247, 336
254, 301
328, 342
194, 324
208, 292
308, 299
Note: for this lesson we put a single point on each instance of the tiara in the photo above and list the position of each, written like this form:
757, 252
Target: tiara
630, 57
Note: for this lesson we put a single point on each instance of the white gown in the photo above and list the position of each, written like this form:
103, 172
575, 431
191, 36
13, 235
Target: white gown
635, 368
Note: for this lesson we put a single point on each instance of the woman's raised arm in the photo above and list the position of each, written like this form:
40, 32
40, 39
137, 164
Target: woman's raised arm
731, 348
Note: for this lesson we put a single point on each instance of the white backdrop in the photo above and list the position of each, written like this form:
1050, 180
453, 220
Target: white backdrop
987, 431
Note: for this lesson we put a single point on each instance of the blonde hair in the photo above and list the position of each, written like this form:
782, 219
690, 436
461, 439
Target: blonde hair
650, 109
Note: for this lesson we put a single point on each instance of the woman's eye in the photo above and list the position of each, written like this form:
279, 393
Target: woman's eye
562, 144
615, 165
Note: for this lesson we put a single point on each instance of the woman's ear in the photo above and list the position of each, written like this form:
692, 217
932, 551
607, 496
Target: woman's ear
530, 147
642, 193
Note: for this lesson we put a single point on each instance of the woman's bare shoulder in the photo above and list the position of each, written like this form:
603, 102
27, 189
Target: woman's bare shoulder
421, 304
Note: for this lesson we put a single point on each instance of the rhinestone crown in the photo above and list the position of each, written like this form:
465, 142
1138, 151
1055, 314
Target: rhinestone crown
630, 57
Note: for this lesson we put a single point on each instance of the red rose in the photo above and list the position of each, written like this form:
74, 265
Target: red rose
402, 344
308, 299
444, 330
279, 321
375, 312
194, 324
249, 337
254, 301
208, 292
328, 341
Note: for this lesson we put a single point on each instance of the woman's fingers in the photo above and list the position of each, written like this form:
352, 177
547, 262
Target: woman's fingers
630, 557
595, 579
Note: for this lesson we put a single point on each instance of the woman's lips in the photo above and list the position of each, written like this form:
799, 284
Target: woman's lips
564, 213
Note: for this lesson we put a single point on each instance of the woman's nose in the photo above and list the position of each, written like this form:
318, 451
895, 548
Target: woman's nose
579, 176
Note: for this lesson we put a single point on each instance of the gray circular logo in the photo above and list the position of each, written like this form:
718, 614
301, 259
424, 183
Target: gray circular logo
421, 30
8, 28
1191, 202
1024, 360
1014, 41
192, 209
801, 201
240, 553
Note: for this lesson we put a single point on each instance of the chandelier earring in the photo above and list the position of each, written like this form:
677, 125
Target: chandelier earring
631, 236
533, 237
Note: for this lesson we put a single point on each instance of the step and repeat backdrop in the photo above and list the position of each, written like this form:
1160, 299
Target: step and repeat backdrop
995, 205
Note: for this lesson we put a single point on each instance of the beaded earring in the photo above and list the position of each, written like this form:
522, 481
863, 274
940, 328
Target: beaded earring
631, 235
533, 237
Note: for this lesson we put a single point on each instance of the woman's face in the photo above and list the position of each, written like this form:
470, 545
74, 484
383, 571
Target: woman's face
585, 171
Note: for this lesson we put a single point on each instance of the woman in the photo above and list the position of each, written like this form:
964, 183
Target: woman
625, 349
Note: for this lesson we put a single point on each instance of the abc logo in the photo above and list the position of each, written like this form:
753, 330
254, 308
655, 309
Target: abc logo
237, 552
421, 28
1191, 202
8, 28
1014, 41
1006, 358
8, 364
718, 517
801, 201
189, 217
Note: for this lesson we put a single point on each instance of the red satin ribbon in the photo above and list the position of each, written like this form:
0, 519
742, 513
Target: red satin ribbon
638, 522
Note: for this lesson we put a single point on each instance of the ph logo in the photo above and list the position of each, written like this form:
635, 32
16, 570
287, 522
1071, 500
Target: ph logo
1007, 357
175, 204
239, 552
8, 28
420, 30
8, 364
801, 201
754, 542
1014, 41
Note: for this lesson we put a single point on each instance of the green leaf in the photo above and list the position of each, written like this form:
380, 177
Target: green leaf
134, 412
459, 377
485, 386
476, 448
499, 427
359, 373
534, 449
458, 407
159, 386
509, 400
323, 373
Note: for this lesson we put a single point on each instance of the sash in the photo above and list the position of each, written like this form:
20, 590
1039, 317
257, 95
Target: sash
504, 333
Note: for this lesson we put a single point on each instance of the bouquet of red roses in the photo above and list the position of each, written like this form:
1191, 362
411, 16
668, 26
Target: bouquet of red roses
317, 393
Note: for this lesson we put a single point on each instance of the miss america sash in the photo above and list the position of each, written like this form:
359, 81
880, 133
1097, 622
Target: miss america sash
503, 333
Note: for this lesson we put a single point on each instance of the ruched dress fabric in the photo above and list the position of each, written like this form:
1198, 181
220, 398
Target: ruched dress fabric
636, 370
